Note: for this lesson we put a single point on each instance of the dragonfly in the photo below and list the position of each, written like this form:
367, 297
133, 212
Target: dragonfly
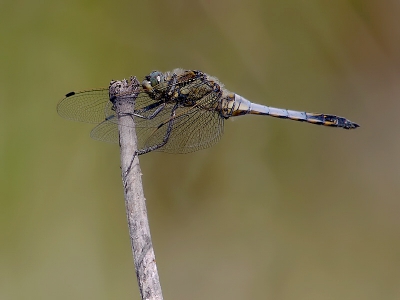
180, 111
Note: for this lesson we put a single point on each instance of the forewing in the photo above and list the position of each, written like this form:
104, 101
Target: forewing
144, 108
84, 106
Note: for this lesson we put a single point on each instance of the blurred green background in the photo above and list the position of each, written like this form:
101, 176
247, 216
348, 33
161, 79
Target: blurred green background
277, 210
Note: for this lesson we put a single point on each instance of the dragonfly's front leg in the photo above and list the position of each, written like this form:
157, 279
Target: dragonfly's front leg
153, 115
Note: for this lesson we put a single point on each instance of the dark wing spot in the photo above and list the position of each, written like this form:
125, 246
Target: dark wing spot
70, 94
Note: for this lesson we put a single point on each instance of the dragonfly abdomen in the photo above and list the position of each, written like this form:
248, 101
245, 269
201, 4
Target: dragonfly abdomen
313, 118
243, 106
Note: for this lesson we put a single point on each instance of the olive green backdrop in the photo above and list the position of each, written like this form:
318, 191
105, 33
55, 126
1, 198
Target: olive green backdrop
277, 210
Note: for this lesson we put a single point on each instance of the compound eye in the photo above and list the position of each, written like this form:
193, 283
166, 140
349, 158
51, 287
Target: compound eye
155, 78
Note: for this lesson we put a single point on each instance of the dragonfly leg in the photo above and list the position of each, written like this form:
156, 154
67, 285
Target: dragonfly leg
172, 84
156, 146
153, 115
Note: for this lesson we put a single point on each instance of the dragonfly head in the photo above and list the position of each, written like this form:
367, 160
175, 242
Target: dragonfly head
155, 78
152, 80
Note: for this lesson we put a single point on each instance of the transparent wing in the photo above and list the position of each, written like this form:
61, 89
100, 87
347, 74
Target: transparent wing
191, 131
106, 132
193, 128
94, 106
84, 106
